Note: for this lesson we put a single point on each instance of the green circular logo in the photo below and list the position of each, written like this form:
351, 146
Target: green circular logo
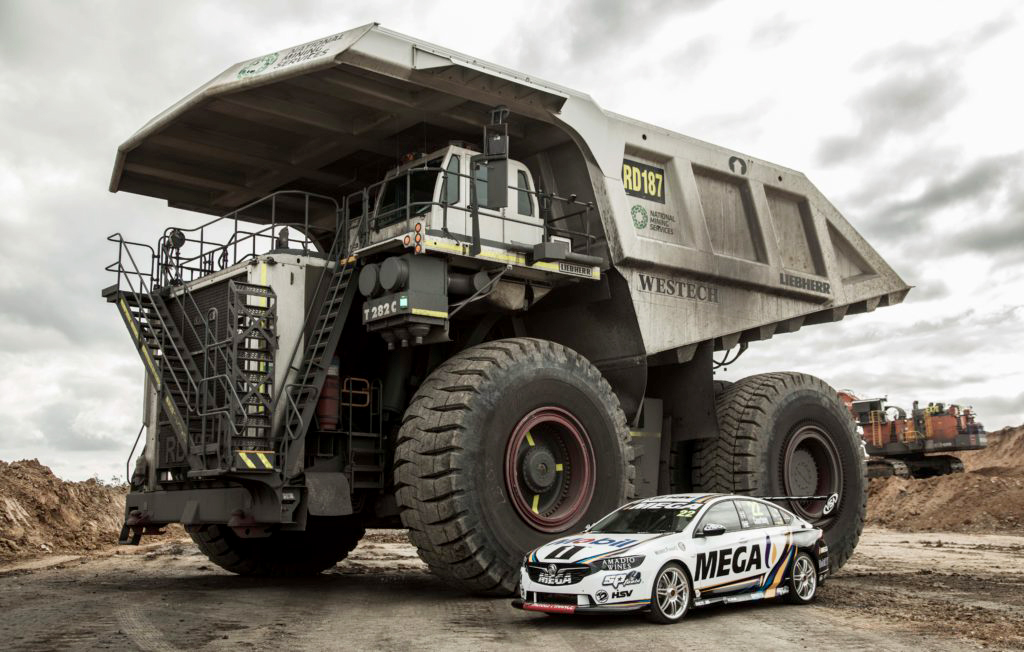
256, 66
639, 217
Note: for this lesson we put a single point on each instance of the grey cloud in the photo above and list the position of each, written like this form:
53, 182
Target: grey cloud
975, 189
597, 24
774, 31
904, 102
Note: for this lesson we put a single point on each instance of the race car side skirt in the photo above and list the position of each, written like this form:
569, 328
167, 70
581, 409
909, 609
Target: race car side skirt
741, 597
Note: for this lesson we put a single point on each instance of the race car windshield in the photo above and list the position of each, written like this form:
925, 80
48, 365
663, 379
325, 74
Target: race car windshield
645, 520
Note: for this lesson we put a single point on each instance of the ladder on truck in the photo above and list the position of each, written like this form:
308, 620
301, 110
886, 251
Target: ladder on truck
335, 298
199, 400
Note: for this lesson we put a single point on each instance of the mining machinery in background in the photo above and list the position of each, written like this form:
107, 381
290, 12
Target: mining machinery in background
915, 445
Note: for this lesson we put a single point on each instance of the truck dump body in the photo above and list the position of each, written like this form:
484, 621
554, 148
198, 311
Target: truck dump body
713, 245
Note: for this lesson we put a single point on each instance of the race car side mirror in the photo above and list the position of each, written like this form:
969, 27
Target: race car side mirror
712, 530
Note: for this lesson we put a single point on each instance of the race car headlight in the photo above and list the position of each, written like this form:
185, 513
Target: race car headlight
620, 563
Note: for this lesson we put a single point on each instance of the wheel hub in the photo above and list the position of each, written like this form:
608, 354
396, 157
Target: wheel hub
539, 469
803, 472
550, 469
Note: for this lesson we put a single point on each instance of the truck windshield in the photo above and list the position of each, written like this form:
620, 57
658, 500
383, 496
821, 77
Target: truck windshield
646, 520
419, 182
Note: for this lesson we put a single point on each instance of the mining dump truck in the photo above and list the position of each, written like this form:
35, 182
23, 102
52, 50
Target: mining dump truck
918, 445
442, 295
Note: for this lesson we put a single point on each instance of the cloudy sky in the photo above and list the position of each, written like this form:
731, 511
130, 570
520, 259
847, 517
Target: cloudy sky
906, 115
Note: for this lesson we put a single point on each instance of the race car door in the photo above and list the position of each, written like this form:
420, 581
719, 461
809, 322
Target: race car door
713, 570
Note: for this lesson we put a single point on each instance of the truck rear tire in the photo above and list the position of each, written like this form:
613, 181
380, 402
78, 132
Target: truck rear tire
505, 446
788, 434
325, 542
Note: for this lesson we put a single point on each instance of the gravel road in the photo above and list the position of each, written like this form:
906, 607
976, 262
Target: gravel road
901, 591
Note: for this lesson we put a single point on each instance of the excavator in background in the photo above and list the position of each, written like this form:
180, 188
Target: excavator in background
906, 445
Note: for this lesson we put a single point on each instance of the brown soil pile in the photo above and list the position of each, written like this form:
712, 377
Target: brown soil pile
40, 513
988, 496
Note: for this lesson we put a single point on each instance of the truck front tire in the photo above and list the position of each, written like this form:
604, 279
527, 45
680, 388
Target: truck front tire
503, 447
787, 434
325, 542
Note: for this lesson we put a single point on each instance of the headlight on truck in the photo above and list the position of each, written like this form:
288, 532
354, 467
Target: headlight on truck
620, 563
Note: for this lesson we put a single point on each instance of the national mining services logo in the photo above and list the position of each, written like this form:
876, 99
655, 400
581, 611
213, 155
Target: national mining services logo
256, 66
639, 217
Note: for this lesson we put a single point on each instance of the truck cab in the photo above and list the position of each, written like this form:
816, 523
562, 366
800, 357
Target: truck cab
436, 189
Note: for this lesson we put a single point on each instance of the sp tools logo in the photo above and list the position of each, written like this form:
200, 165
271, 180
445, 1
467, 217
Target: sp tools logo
622, 579
640, 217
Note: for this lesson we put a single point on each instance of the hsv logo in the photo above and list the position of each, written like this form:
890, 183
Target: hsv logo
717, 563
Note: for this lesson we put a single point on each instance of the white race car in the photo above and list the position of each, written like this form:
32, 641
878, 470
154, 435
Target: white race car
665, 554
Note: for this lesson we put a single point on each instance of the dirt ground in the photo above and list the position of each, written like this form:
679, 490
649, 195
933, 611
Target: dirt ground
947, 574
899, 592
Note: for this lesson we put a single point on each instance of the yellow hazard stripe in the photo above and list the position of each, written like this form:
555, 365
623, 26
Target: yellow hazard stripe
423, 312
518, 259
143, 348
264, 458
536, 502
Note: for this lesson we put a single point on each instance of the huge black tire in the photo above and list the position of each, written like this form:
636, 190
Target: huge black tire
788, 434
681, 454
324, 543
490, 421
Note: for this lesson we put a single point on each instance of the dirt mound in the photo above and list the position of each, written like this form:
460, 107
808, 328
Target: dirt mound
40, 513
988, 496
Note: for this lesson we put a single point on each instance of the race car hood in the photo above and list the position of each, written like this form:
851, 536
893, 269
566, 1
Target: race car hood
586, 547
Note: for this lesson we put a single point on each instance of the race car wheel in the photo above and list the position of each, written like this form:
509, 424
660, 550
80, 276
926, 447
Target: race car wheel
803, 580
500, 450
670, 598
788, 434
325, 542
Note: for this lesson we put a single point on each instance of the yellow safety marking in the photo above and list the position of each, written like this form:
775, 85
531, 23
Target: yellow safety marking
262, 301
558, 467
518, 259
263, 458
529, 439
644, 433
536, 501
347, 261
440, 314
131, 320
245, 458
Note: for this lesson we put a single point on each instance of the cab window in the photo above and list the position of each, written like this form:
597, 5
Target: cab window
452, 181
480, 174
756, 513
523, 184
723, 513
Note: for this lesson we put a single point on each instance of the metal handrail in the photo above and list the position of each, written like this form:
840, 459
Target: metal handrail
371, 219
202, 263
193, 394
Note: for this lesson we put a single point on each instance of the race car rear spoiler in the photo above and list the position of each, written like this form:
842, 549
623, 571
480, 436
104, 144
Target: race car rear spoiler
831, 501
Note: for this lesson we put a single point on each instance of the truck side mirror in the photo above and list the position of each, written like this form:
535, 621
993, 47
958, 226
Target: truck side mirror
495, 184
